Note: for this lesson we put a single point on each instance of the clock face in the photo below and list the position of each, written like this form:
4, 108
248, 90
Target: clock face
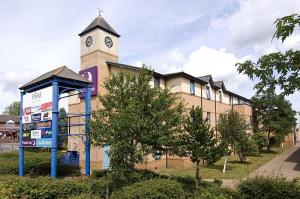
89, 41
108, 42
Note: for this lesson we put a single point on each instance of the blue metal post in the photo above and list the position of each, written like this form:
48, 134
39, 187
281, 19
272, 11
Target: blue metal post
54, 129
87, 130
21, 148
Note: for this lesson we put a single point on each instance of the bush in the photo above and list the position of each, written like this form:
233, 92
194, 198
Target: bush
213, 192
269, 188
245, 147
260, 139
99, 173
151, 189
40, 188
36, 163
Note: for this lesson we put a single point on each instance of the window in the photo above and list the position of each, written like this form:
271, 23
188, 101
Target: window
156, 81
192, 87
230, 100
208, 92
239, 101
208, 117
220, 96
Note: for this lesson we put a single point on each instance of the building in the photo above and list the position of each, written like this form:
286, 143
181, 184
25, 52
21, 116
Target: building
9, 128
99, 56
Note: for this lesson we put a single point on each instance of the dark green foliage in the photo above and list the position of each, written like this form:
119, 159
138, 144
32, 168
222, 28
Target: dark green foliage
62, 129
269, 188
260, 139
246, 147
36, 163
198, 141
232, 127
285, 26
99, 173
12, 109
276, 69
273, 115
213, 192
40, 188
151, 189
135, 119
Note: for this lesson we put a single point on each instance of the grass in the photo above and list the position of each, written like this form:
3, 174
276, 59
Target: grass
234, 170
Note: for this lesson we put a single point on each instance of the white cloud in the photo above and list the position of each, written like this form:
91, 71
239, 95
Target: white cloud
253, 22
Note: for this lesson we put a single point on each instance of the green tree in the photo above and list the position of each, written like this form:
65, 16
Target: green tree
232, 127
135, 119
197, 139
276, 69
12, 109
273, 115
63, 129
285, 26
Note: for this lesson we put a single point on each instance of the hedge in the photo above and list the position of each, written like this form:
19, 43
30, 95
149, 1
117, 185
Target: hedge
47, 188
151, 189
270, 187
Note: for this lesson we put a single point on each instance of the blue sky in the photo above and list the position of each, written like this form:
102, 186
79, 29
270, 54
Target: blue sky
196, 36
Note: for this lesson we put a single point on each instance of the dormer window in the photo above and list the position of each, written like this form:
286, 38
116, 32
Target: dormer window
220, 96
208, 92
156, 81
192, 87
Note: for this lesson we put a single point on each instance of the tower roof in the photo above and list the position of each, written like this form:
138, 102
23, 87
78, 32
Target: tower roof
99, 22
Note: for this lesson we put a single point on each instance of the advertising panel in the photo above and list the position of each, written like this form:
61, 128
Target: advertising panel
37, 118
91, 74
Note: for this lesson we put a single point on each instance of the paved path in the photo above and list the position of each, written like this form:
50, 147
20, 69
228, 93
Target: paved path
286, 164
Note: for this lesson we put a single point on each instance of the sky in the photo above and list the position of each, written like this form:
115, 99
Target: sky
199, 37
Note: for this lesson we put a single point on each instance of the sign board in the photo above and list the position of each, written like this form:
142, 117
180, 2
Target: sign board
37, 118
91, 74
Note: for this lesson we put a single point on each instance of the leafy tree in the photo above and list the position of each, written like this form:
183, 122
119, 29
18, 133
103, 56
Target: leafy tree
276, 69
285, 26
135, 119
197, 139
273, 115
232, 127
63, 129
12, 109
246, 146
260, 138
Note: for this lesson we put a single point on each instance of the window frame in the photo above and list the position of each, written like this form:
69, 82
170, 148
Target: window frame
208, 94
192, 87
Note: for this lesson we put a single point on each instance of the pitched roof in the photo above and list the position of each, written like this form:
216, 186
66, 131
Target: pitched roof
5, 118
203, 79
99, 22
61, 72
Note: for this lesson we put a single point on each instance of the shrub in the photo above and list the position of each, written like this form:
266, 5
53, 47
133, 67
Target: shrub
269, 188
245, 147
99, 173
151, 189
261, 139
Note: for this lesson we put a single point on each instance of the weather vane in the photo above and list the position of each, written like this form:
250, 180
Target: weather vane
100, 11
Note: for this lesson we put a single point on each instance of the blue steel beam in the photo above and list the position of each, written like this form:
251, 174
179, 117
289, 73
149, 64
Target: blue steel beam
87, 130
54, 129
21, 148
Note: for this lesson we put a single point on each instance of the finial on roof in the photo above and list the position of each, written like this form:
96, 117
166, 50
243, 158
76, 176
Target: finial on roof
99, 11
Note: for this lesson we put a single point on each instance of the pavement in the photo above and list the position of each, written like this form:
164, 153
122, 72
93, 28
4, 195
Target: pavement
286, 164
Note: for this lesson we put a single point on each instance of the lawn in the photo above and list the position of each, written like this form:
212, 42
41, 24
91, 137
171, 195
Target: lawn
235, 169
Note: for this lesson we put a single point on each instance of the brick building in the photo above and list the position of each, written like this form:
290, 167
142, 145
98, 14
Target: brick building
99, 44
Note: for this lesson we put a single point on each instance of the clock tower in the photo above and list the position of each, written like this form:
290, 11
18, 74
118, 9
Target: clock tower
99, 43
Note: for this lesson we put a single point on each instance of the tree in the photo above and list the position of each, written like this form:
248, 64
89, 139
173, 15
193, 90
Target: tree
232, 127
285, 26
135, 119
196, 139
12, 109
276, 69
63, 129
273, 115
